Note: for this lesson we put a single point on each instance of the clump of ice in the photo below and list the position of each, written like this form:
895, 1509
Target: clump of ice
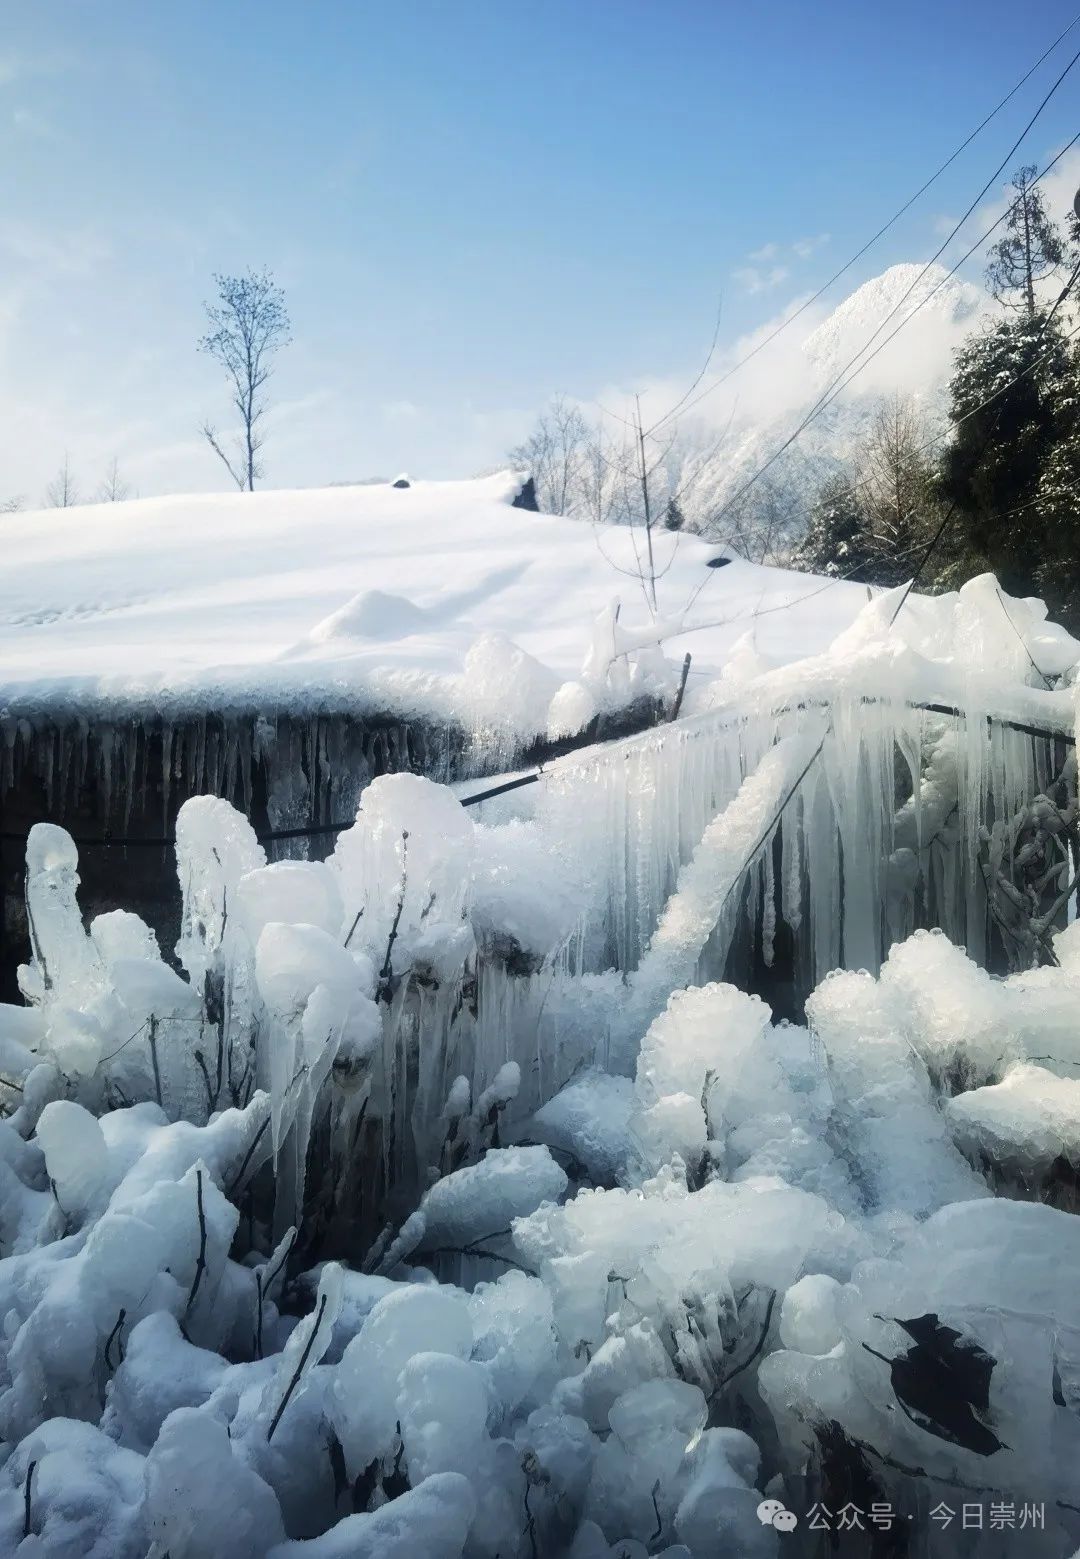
364, 1398
590, 1120
570, 710
1026, 1121
505, 692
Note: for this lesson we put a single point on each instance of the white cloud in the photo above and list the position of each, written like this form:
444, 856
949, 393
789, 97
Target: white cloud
805, 247
764, 273
753, 279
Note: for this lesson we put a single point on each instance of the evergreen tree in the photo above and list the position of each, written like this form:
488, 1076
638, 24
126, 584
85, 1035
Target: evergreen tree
837, 541
674, 519
1056, 510
875, 529
1012, 472
1030, 248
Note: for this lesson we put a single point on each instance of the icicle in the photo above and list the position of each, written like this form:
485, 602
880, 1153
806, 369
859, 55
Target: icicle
106, 747
707, 884
68, 746
768, 907
244, 764
46, 746
166, 773
129, 756
791, 865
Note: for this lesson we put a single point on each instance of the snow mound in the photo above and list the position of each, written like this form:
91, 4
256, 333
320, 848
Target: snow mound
438, 600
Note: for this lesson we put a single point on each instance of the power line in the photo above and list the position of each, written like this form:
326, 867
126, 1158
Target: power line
952, 272
841, 383
850, 370
831, 393
919, 449
990, 432
835, 277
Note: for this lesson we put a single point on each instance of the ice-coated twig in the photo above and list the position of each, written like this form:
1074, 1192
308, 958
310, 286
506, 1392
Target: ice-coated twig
475, 1248
386, 972
235, 1182
752, 1355
271, 1273
298, 1372
152, 1040
200, 1265
115, 1335
26, 1498
682, 686
656, 1511
200, 1062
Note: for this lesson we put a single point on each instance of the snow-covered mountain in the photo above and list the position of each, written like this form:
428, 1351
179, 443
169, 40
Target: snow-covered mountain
902, 326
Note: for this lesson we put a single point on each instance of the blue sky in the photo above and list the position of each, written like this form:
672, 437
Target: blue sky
470, 206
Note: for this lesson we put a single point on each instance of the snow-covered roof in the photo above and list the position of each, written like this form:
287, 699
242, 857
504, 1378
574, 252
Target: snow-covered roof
358, 597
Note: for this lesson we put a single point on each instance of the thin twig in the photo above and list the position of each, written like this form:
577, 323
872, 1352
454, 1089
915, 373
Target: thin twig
682, 686
476, 1249
271, 1277
752, 1355
386, 972
530, 1524
152, 1020
26, 1498
234, 1184
298, 1372
115, 1334
656, 1511
200, 1265
200, 1061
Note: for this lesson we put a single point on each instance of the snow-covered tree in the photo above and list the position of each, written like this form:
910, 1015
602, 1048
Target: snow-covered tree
114, 489
1012, 469
896, 490
836, 539
63, 491
557, 456
873, 526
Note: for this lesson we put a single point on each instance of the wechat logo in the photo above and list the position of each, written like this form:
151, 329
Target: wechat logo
771, 1513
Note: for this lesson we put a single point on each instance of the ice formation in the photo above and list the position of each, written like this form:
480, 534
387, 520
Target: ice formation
453, 1201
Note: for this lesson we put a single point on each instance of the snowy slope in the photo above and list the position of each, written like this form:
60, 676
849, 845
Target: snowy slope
935, 311
362, 596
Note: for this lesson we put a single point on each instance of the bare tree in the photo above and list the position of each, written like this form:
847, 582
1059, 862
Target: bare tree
896, 487
873, 522
62, 492
113, 489
556, 455
248, 324
10, 505
761, 525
